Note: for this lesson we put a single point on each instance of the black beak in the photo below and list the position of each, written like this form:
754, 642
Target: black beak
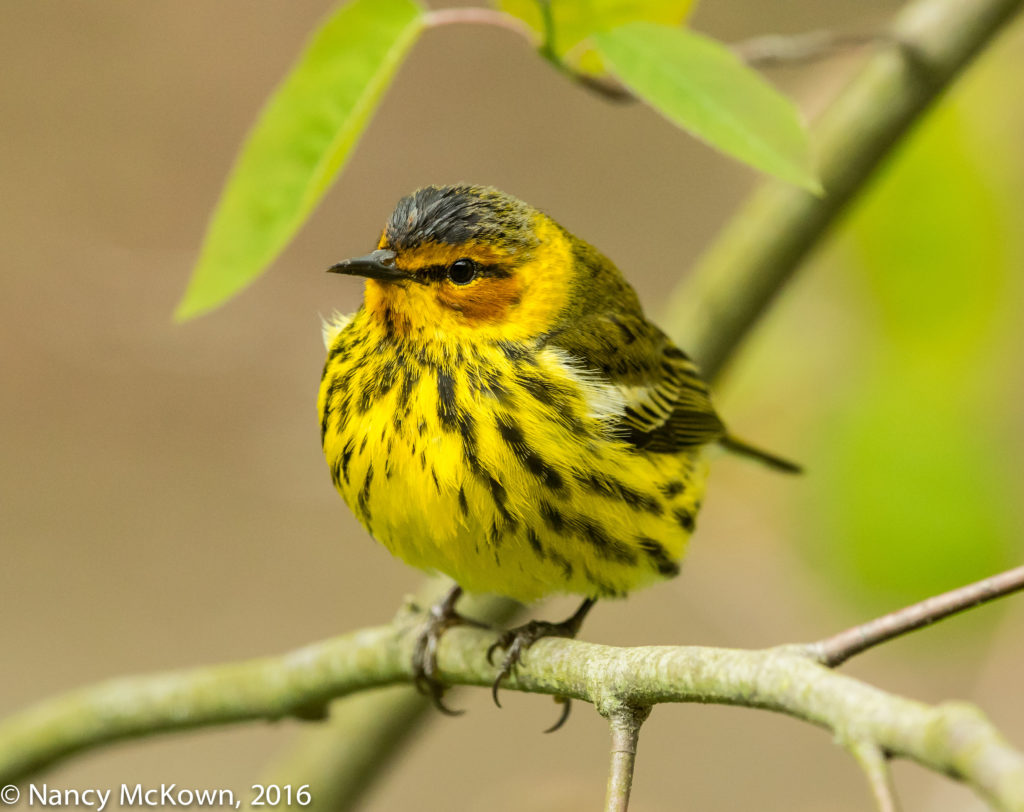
379, 264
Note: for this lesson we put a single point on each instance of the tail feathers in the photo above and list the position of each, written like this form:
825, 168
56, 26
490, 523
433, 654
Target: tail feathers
738, 446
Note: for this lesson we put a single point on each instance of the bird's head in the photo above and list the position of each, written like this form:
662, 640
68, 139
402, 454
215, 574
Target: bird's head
467, 261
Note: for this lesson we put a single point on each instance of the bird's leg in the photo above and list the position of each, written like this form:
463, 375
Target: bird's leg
441, 617
516, 641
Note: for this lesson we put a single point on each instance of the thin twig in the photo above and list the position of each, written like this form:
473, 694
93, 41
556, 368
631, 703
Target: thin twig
762, 51
481, 16
625, 724
838, 648
876, 767
794, 49
603, 86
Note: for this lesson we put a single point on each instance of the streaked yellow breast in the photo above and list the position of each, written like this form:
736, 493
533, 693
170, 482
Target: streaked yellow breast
495, 463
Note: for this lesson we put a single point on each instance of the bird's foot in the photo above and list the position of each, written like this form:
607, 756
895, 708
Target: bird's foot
516, 641
441, 617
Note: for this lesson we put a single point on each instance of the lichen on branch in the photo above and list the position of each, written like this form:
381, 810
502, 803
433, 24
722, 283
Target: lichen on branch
955, 739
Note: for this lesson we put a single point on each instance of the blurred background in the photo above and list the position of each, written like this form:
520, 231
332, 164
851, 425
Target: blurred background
164, 502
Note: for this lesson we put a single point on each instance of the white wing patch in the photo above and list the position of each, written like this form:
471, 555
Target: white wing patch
651, 405
675, 411
334, 324
606, 401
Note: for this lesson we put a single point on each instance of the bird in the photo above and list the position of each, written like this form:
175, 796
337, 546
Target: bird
499, 409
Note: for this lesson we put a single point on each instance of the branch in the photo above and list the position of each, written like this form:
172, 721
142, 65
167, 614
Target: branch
366, 731
876, 767
793, 49
954, 739
341, 758
625, 723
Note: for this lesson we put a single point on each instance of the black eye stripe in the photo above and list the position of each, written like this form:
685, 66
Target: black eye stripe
438, 273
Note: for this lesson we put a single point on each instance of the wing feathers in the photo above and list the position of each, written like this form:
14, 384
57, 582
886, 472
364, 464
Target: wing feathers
665, 406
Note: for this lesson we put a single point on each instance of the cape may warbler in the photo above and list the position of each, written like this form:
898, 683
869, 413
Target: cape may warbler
500, 410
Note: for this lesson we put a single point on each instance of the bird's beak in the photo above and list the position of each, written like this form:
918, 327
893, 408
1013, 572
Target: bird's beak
379, 264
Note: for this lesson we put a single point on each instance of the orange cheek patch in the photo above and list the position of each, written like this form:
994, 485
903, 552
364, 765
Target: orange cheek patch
487, 302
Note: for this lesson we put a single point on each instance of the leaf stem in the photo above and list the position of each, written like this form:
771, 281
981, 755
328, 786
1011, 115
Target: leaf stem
480, 16
607, 88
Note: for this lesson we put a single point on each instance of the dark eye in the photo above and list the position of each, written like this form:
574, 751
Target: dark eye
463, 271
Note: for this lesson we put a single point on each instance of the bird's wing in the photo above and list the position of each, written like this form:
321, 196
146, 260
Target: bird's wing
666, 406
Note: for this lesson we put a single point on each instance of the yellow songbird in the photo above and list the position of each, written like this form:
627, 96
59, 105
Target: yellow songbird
500, 410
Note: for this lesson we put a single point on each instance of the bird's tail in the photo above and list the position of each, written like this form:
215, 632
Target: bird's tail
738, 446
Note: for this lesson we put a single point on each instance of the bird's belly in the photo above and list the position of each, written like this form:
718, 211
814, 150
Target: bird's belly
619, 521
508, 489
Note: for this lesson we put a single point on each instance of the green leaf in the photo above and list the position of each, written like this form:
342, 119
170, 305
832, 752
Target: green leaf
575, 20
703, 87
300, 142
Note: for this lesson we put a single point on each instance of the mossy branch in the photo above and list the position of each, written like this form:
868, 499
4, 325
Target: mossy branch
622, 683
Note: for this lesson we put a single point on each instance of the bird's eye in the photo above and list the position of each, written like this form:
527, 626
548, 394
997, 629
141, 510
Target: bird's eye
463, 271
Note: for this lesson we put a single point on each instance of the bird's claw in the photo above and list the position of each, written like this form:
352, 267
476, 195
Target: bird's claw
566, 707
515, 642
434, 690
441, 617
424, 665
